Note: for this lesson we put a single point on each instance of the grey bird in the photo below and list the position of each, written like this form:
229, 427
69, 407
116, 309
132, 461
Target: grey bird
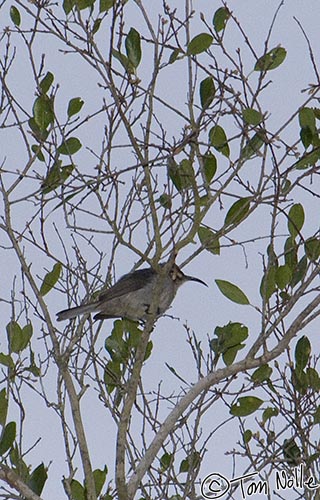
132, 296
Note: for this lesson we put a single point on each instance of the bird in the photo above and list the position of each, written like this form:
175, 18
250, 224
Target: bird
132, 296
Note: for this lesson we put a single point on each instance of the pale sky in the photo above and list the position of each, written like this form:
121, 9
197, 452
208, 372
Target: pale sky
201, 308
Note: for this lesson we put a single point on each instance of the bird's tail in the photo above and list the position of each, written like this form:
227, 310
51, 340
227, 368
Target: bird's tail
76, 311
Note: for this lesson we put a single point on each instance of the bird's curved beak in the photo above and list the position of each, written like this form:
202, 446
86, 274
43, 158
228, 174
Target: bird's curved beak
192, 278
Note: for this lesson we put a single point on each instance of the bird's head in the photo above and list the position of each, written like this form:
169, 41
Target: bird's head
179, 277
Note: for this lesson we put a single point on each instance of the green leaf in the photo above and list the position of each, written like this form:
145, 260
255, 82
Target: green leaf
237, 212
291, 452
33, 368
166, 460
7, 438
232, 292
15, 15
247, 436
99, 477
269, 413
148, 350
245, 406
186, 174
37, 150
174, 175
316, 416
229, 341
307, 119
174, 55
199, 44
74, 106
127, 65
312, 249
204, 200
286, 186
182, 175
70, 146
295, 219
313, 379
96, 26
271, 60
230, 354
27, 332
251, 116
283, 276
268, 283
253, 146
273, 259
299, 380
302, 353
115, 344
261, 374
207, 92
184, 465
6, 360
43, 113
18, 463
209, 166
308, 160
306, 137
46, 82
219, 141
38, 479
68, 6
105, 5
14, 334
209, 240
77, 490
220, 18
3, 407
56, 177
112, 375
18, 337
300, 271
51, 279
291, 253
132, 328
133, 47
84, 4
165, 201
40, 135
285, 296
308, 132
190, 463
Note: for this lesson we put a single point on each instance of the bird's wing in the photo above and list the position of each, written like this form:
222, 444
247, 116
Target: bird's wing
128, 283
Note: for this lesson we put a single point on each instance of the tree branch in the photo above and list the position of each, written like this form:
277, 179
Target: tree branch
15, 481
